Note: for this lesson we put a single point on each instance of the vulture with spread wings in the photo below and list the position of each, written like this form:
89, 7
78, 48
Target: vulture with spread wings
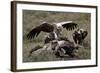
46, 27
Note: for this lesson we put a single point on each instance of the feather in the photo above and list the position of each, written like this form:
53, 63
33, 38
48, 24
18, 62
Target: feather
69, 25
45, 27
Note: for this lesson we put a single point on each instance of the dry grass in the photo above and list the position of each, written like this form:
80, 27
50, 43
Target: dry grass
32, 19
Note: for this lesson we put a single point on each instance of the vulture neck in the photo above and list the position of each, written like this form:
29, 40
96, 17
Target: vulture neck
55, 35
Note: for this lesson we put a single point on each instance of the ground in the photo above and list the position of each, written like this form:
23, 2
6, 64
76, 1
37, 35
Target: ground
32, 18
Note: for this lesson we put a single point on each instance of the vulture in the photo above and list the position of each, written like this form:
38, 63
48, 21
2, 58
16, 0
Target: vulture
79, 35
64, 47
53, 29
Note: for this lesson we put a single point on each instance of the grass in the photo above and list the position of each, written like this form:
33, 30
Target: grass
31, 19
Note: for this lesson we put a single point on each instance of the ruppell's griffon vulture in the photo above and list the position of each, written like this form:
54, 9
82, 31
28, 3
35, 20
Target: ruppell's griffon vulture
46, 27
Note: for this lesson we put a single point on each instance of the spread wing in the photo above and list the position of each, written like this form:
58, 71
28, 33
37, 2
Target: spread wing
69, 25
45, 27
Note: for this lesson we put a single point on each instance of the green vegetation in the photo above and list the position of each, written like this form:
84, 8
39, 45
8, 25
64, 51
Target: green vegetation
31, 19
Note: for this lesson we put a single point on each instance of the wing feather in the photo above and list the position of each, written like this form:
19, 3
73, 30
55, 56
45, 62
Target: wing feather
45, 27
69, 26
